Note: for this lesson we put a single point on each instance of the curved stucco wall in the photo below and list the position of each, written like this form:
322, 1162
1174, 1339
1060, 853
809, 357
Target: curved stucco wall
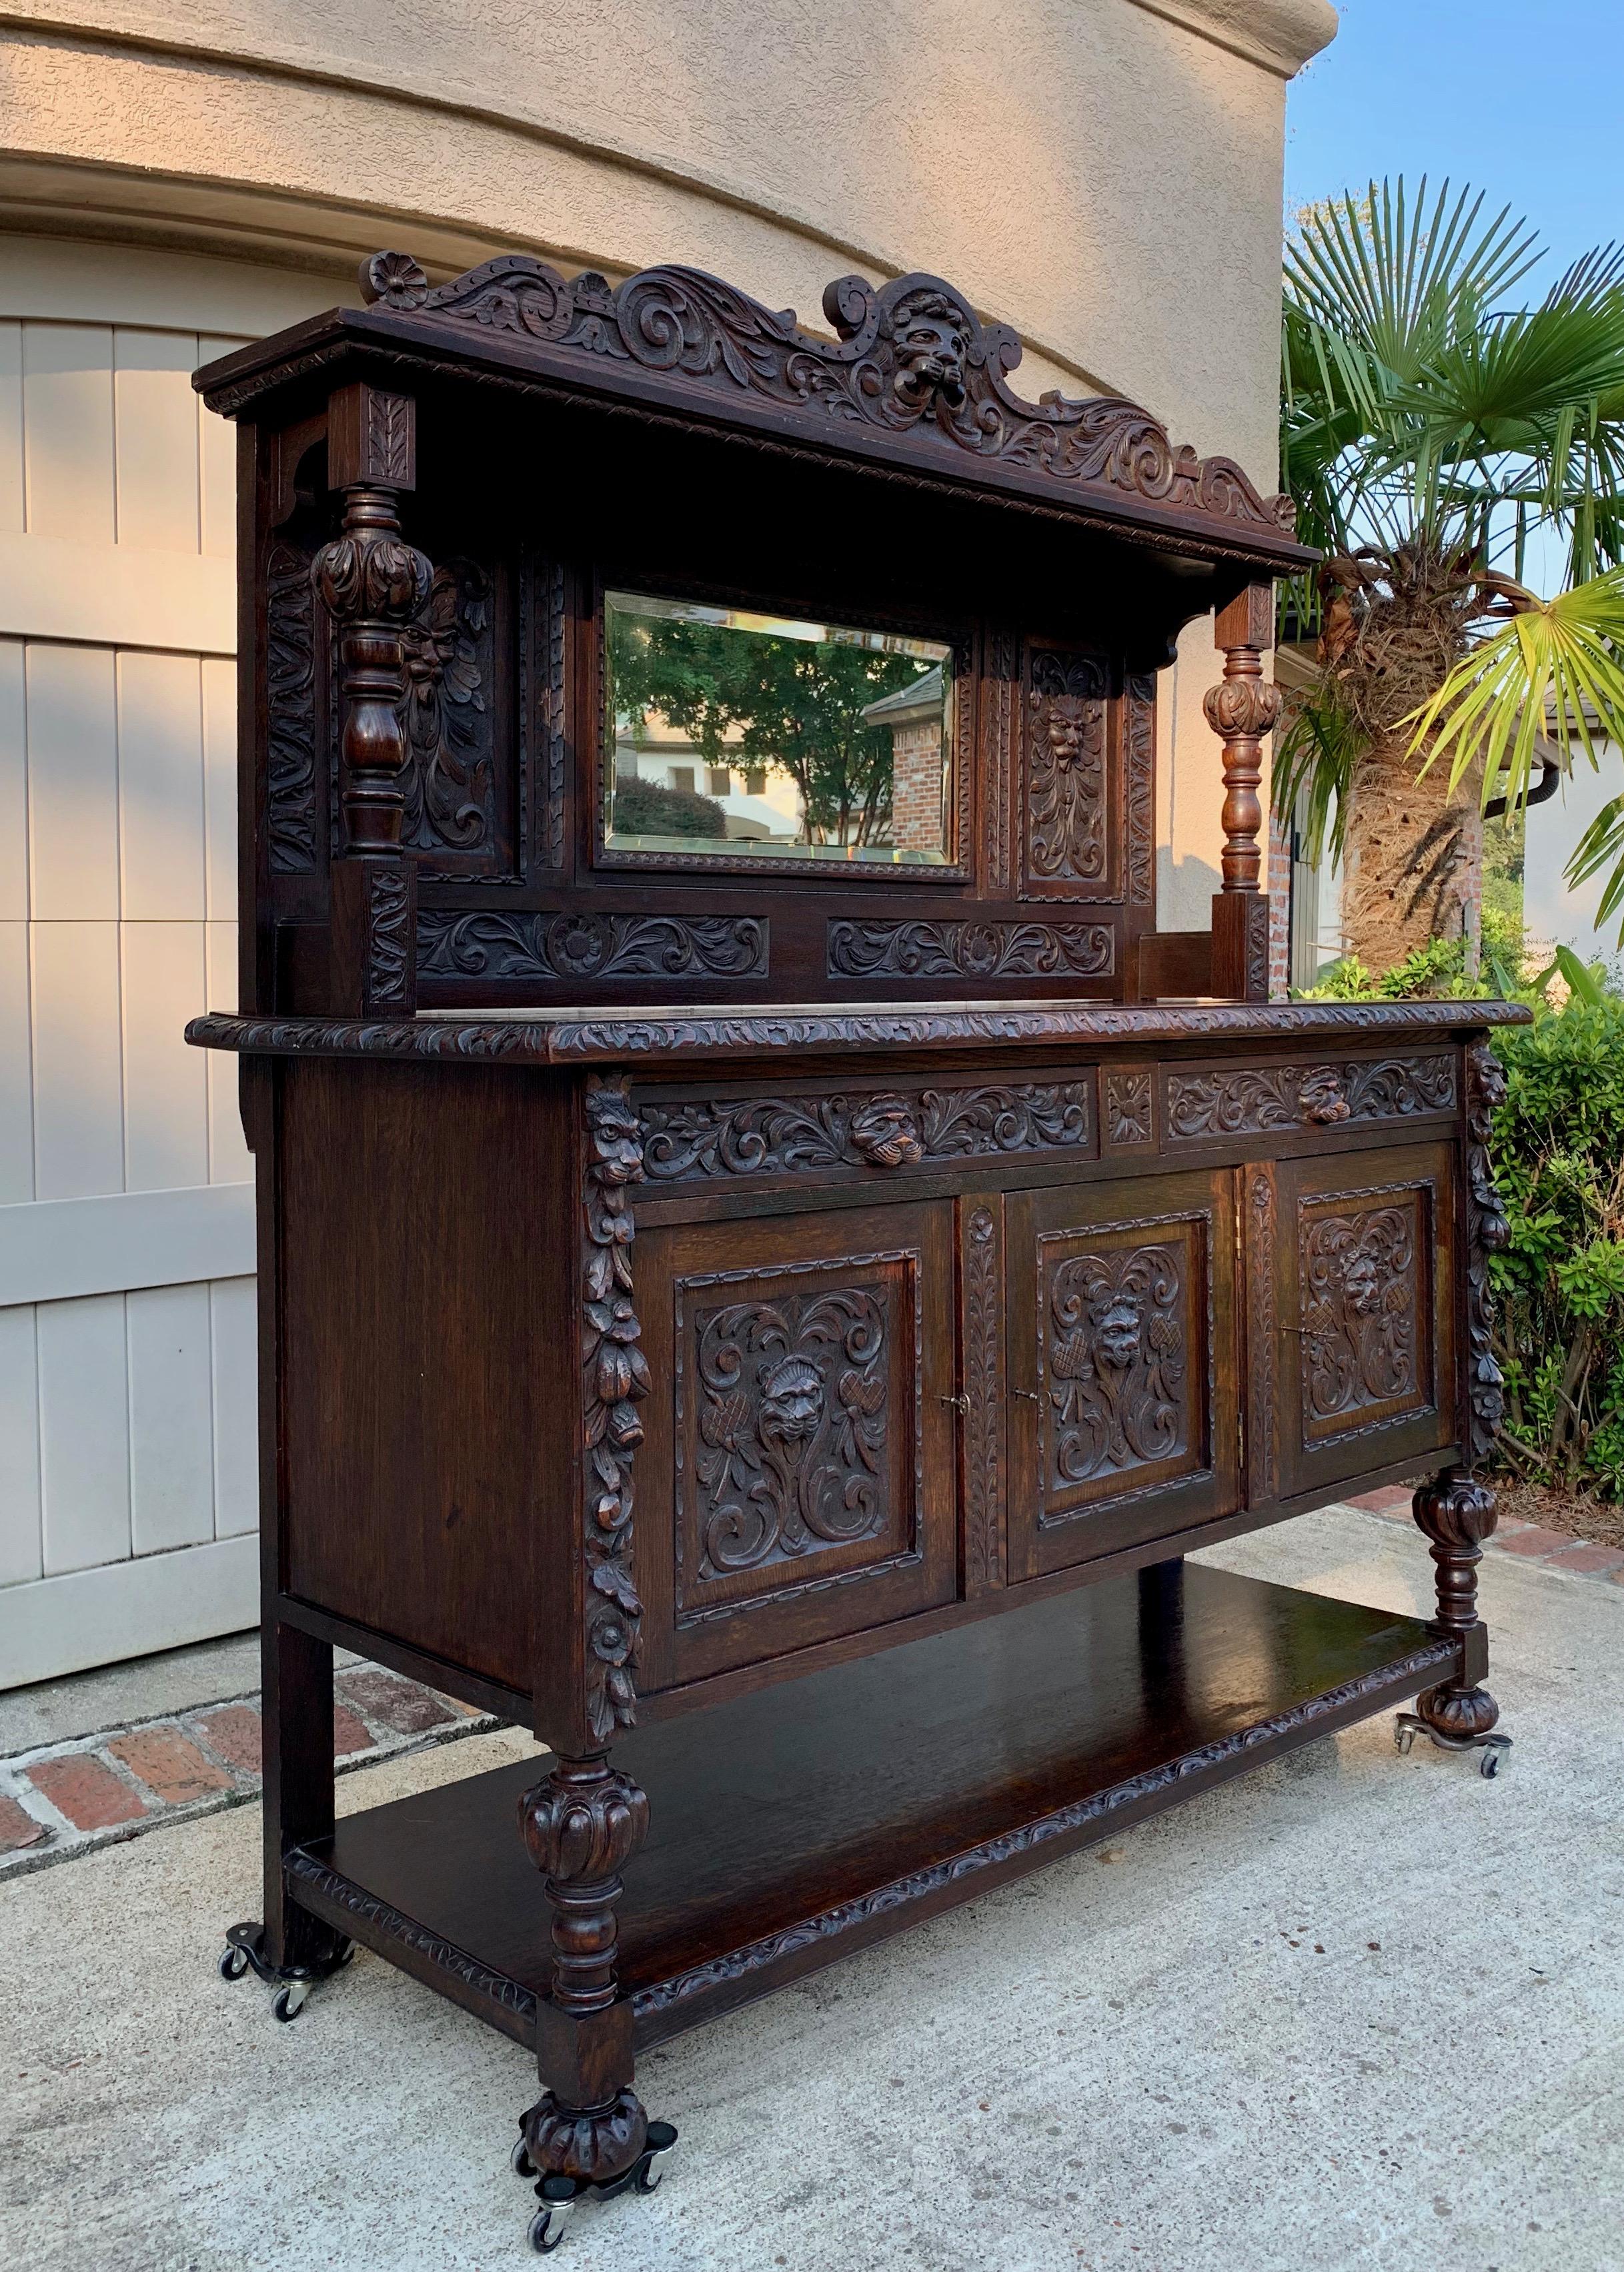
1104, 174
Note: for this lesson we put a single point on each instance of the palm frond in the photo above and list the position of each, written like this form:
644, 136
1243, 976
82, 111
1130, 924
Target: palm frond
1601, 844
1556, 660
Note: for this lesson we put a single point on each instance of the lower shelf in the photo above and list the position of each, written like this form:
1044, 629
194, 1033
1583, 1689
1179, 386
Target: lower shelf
806, 1819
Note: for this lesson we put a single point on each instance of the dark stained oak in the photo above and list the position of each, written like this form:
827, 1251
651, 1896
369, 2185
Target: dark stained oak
773, 1323
803, 1820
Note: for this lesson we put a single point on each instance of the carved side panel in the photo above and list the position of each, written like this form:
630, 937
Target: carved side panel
981, 1435
1125, 1344
1064, 805
981, 950
1139, 791
798, 1395
1487, 1233
543, 738
1263, 1334
1364, 1286
292, 823
1129, 1108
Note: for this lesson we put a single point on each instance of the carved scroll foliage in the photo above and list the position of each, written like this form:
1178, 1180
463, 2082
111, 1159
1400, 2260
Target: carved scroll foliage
1139, 766
1252, 1100
910, 357
1487, 1233
858, 949
1065, 800
290, 710
793, 1426
1000, 687
615, 1378
1117, 1362
1261, 1326
388, 937
578, 944
784, 1135
1360, 1293
449, 672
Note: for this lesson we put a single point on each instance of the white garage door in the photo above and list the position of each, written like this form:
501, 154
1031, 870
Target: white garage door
127, 1401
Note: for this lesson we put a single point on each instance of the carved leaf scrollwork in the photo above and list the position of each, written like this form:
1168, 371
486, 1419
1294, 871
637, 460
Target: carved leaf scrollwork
1139, 735
615, 1378
910, 356
447, 651
778, 1135
290, 710
792, 1426
1065, 802
1117, 1364
974, 950
1488, 1233
579, 944
1252, 1100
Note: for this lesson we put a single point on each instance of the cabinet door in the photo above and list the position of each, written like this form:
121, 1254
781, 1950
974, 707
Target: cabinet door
1364, 1277
1122, 1354
796, 1481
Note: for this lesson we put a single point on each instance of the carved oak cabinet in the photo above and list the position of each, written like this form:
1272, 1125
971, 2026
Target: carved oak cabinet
769, 1259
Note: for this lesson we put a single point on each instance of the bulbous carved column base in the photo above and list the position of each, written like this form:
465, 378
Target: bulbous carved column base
1456, 1719
591, 2144
556, 2144
1457, 1511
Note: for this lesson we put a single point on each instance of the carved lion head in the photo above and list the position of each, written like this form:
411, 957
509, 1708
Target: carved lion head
792, 1400
1119, 1333
1067, 720
885, 1132
931, 344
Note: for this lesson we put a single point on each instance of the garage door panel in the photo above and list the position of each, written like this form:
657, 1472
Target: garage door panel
68, 431
217, 462
72, 783
219, 797
78, 1061
22, 1552
160, 786
155, 438
83, 1432
234, 1324
166, 1083
230, 1161
13, 785
10, 426
168, 1342
15, 1069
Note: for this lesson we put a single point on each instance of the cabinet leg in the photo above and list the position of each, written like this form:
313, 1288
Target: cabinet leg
588, 2131
1457, 1512
291, 1949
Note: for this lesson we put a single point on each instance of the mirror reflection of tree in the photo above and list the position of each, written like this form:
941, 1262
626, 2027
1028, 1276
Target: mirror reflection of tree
756, 698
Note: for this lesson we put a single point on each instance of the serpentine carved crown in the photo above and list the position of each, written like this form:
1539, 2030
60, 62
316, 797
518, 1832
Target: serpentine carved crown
909, 357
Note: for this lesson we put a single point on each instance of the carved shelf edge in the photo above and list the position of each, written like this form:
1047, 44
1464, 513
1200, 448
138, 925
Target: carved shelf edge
614, 1037
913, 377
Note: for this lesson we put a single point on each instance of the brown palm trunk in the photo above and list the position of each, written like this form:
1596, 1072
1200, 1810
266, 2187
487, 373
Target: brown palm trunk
1414, 865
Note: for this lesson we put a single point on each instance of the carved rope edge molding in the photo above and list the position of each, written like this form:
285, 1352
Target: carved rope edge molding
910, 357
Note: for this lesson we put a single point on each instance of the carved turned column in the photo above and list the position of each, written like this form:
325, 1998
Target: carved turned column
1241, 711
586, 1820
372, 583
1457, 1511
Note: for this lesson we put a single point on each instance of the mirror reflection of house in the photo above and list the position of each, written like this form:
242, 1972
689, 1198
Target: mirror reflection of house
914, 716
758, 804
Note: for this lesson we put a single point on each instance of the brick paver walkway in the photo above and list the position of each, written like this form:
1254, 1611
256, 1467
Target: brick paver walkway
68, 1798
1528, 1539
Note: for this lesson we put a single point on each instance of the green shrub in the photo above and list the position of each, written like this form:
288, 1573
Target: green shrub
1558, 1152
646, 808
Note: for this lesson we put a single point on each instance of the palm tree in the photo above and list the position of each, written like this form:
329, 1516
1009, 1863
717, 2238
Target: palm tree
1431, 435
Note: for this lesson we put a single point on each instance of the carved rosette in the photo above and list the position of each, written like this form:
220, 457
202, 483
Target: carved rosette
615, 1378
1129, 1108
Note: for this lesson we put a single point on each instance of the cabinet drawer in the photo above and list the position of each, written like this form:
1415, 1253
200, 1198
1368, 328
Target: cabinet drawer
796, 1481
1120, 1348
1363, 1270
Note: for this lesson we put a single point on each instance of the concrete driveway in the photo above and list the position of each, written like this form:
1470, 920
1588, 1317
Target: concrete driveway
1352, 2011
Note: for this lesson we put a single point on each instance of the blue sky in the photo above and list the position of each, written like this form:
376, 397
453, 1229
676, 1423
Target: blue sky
1522, 100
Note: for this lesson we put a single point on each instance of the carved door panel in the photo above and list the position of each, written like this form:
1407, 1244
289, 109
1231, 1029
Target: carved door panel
1363, 1273
797, 1477
1123, 1415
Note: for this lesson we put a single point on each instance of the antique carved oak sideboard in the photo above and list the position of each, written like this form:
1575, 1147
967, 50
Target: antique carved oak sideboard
703, 1031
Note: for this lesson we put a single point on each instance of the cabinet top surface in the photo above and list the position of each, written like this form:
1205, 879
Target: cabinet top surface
697, 1033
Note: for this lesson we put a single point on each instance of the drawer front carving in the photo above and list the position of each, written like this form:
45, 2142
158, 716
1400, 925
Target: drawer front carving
981, 950
799, 1430
1361, 1266
881, 1130
1203, 1104
1124, 1418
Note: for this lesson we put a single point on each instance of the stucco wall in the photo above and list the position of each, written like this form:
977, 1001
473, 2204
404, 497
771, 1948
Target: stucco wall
1104, 174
